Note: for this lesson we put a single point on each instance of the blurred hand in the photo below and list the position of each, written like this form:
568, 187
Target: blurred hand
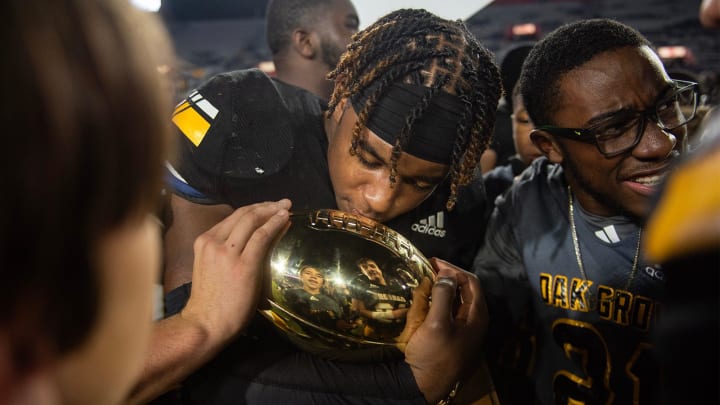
446, 346
228, 269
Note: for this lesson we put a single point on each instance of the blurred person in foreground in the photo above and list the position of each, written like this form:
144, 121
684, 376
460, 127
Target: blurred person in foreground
412, 109
80, 247
306, 38
562, 265
683, 234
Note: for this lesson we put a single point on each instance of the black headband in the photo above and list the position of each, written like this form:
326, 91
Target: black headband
432, 136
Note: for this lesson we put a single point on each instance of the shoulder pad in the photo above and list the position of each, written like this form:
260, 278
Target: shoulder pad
237, 125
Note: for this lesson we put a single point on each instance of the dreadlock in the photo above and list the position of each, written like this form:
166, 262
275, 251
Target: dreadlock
413, 46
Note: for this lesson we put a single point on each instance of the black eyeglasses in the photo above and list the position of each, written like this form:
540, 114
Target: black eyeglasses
622, 131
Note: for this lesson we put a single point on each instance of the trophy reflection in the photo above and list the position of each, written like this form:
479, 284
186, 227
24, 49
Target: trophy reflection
343, 285
381, 305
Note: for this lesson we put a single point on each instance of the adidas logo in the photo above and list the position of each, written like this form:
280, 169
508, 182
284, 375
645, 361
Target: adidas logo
608, 234
432, 225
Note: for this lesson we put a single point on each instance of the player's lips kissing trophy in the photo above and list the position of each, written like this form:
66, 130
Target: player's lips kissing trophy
346, 287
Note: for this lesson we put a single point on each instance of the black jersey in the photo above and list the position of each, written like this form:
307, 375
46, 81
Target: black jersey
500, 178
590, 337
265, 142
240, 161
318, 308
260, 140
381, 298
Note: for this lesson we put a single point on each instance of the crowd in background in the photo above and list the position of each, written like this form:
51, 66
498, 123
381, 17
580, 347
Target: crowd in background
209, 45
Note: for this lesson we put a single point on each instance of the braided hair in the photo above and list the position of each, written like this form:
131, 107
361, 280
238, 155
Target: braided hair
413, 46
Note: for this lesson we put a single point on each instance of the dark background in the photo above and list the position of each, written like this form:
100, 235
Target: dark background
212, 36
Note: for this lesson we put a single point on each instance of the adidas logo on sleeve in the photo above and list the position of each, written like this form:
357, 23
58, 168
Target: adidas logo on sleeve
434, 225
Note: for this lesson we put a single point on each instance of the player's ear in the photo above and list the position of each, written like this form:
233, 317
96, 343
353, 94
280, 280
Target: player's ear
547, 144
304, 43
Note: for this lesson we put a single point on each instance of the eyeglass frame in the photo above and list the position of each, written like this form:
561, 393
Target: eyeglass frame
587, 135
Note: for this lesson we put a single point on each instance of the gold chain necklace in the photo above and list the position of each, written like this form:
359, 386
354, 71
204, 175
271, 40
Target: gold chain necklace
592, 300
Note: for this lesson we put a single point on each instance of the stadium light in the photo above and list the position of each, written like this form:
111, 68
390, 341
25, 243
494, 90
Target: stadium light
523, 30
147, 5
673, 52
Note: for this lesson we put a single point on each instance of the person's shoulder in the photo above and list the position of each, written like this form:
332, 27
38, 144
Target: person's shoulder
236, 125
497, 180
503, 173
541, 171
236, 76
294, 293
304, 105
240, 87
538, 181
292, 91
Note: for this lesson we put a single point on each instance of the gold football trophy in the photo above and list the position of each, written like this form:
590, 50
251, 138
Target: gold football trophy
342, 285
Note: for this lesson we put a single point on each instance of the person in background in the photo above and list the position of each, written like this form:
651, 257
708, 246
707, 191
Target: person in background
80, 247
501, 149
710, 13
413, 108
382, 304
500, 178
311, 301
306, 38
568, 287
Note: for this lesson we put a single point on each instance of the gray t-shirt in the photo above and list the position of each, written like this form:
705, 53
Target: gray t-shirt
575, 349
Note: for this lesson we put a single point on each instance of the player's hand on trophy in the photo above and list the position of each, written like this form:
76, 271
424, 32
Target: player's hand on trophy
446, 347
417, 312
228, 269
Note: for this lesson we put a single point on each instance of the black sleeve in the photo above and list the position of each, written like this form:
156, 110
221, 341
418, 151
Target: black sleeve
234, 126
262, 367
297, 303
301, 378
509, 343
499, 264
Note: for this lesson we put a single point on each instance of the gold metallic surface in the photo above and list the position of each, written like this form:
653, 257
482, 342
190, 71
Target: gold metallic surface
351, 317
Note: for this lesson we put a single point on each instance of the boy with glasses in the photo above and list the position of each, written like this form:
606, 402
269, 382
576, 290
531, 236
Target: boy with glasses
619, 131
563, 255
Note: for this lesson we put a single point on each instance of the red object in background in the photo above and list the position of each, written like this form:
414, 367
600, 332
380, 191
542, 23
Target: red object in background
677, 53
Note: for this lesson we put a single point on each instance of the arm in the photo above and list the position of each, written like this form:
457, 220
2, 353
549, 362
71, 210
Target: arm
509, 345
499, 266
189, 220
227, 276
